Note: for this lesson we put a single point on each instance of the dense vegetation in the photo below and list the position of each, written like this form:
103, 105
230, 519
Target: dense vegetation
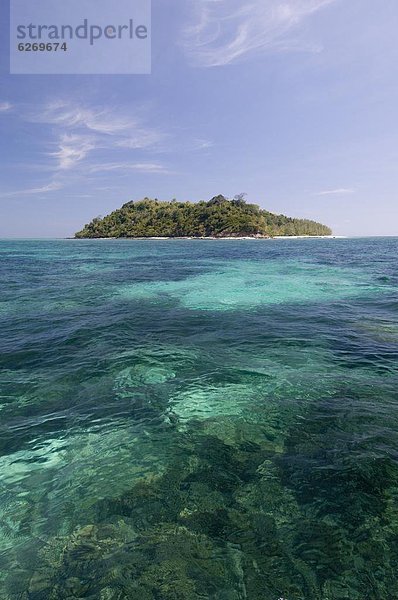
219, 217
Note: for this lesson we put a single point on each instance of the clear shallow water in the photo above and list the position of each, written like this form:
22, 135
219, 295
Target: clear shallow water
199, 419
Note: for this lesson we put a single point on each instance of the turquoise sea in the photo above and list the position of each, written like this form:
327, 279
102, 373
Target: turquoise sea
185, 420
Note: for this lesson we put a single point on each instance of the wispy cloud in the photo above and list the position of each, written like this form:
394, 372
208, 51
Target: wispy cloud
72, 149
126, 167
224, 31
97, 119
140, 139
5, 106
50, 187
81, 130
78, 143
200, 144
336, 192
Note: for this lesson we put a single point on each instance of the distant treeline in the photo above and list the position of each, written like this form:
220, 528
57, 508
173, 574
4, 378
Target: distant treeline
219, 218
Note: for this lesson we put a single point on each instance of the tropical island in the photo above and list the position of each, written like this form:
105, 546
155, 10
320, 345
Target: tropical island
218, 218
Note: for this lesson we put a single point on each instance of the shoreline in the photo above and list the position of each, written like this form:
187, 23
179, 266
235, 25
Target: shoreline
240, 238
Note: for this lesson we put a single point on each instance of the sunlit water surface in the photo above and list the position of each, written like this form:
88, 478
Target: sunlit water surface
184, 420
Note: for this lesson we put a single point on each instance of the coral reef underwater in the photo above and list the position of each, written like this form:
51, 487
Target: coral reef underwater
234, 517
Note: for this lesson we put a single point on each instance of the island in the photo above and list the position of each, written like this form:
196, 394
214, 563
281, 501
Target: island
218, 218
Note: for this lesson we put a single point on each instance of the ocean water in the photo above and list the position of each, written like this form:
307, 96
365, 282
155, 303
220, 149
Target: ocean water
185, 420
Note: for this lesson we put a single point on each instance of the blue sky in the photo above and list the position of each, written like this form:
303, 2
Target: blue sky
293, 102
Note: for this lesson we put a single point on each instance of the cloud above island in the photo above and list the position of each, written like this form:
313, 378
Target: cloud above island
78, 143
81, 130
221, 32
126, 167
5, 106
336, 192
77, 140
50, 187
